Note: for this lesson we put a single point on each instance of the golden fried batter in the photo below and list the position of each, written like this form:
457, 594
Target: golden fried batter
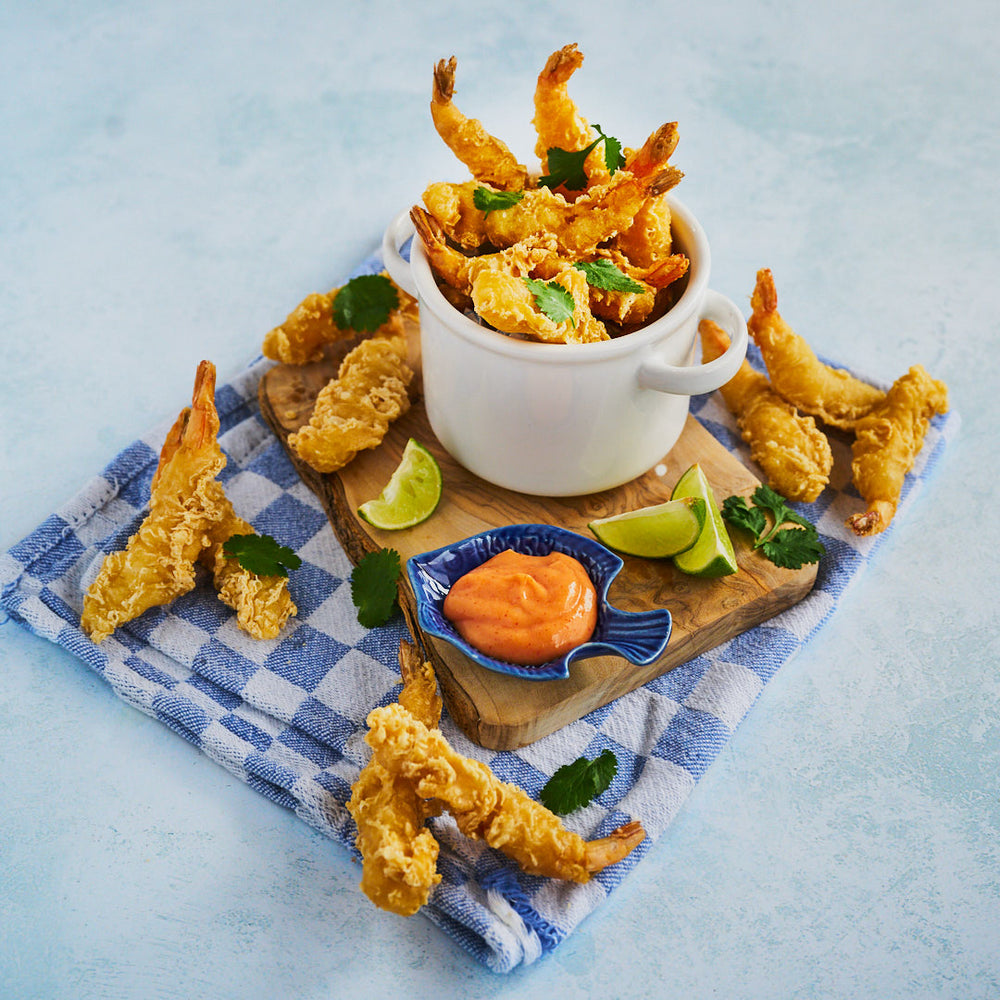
157, 564
488, 158
887, 442
190, 519
399, 855
557, 120
502, 299
494, 283
300, 339
797, 375
262, 603
353, 411
486, 808
578, 226
311, 325
792, 451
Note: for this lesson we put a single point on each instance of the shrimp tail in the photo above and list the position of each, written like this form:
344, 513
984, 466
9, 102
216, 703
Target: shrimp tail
609, 850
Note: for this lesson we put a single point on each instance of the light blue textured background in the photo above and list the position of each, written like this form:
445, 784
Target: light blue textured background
173, 179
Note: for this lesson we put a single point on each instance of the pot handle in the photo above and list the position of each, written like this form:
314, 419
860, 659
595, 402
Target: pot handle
692, 380
396, 234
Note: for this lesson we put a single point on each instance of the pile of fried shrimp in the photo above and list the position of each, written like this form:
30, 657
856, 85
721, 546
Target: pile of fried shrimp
616, 215
414, 774
780, 414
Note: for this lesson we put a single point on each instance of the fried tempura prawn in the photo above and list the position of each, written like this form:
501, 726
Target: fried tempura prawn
486, 808
497, 291
887, 442
634, 307
353, 411
190, 519
797, 375
311, 325
506, 302
262, 603
488, 158
558, 122
578, 226
398, 854
157, 564
792, 451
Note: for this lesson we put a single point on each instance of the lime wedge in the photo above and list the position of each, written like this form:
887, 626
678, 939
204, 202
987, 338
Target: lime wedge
712, 554
654, 532
412, 493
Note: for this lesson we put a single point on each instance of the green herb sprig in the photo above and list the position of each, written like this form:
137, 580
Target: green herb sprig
373, 586
566, 165
601, 273
552, 299
261, 554
365, 303
487, 200
786, 538
574, 785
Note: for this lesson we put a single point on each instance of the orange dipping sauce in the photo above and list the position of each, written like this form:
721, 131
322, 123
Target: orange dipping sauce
524, 609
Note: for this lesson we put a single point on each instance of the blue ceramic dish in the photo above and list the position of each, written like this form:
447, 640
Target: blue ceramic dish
638, 636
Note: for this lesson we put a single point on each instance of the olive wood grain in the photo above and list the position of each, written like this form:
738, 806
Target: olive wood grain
494, 710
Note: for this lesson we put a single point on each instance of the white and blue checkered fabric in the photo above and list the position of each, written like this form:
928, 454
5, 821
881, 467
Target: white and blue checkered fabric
287, 716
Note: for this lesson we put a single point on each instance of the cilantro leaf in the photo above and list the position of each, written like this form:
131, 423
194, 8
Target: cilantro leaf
614, 158
601, 273
365, 303
373, 586
566, 168
574, 785
737, 511
785, 537
488, 200
552, 299
261, 555
566, 165
792, 548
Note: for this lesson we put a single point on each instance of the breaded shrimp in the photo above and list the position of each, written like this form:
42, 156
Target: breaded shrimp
633, 307
486, 808
578, 226
792, 451
488, 158
649, 237
311, 325
498, 292
538, 256
307, 328
454, 208
602, 212
353, 411
449, 264
888, 440
398, 854
505, 301
558, 122
262, 603
157, 564
797, 375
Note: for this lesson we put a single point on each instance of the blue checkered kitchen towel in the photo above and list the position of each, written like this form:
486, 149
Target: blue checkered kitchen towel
288, 716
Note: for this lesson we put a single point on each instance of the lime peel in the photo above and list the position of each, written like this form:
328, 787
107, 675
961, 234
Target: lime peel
656, 532
412, 493
712, 554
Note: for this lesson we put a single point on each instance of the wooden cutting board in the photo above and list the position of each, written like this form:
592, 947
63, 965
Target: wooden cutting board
493, 710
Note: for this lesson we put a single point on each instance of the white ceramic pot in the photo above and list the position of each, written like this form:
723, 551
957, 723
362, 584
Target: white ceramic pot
565, 419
